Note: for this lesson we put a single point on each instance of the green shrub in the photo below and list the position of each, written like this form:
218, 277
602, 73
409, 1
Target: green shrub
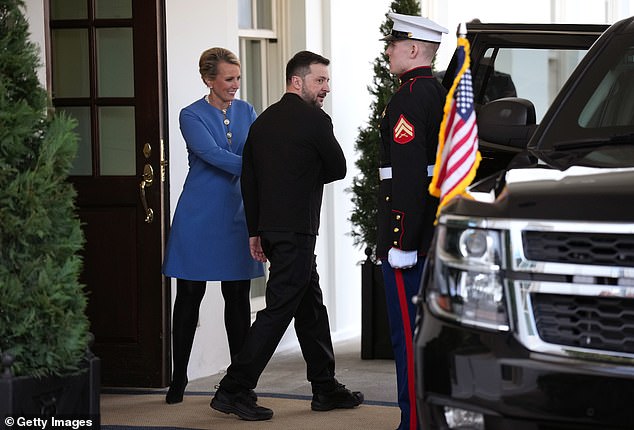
43, 324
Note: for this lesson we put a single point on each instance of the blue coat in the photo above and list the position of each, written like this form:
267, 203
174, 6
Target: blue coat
209, 240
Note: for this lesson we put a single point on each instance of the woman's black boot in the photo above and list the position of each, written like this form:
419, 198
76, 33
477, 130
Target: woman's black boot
189, 294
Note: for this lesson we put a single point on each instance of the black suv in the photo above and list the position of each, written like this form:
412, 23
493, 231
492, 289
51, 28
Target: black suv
526, 316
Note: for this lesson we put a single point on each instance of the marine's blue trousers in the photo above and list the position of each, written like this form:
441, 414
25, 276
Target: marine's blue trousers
400, 287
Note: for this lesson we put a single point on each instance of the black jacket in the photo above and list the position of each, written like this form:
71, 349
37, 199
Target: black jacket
290, 153
409, 140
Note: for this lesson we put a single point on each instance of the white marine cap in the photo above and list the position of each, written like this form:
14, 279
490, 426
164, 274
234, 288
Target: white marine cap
414, 27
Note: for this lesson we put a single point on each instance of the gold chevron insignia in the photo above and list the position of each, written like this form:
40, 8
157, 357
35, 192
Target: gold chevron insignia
403, 131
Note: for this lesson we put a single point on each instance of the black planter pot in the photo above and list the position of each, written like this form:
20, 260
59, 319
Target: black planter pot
375, 329
68, 397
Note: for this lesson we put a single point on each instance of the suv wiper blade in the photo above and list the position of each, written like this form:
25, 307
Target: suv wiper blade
592, 142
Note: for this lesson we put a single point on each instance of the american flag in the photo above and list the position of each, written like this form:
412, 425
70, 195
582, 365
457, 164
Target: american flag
457, 157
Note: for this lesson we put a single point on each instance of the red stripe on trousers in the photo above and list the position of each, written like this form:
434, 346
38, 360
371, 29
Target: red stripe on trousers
409, 347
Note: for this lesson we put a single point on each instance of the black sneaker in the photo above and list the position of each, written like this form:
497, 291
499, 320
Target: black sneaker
250, 393
339, 398
241, 404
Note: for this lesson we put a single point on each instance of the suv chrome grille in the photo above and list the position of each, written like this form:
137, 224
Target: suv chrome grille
600, 323
580, 248
569, 284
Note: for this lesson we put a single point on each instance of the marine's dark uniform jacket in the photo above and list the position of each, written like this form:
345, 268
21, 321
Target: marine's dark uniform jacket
409, 136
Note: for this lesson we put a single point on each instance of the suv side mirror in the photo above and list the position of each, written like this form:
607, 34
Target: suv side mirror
509, 121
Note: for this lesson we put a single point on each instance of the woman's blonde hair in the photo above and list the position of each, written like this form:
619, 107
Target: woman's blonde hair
209, 60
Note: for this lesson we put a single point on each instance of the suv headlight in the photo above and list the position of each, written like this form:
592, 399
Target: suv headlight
467, 286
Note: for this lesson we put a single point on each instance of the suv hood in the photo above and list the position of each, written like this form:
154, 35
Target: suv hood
543, 193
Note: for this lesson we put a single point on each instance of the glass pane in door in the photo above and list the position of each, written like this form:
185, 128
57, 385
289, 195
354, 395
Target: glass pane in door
105, 9
117, 140
82, 165
115, 62
70, 63
69, 9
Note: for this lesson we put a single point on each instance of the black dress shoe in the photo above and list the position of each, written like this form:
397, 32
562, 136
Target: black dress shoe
338, 398
240, 404
175, 392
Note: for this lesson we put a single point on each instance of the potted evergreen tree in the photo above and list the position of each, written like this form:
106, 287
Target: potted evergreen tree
45, 365
375, 341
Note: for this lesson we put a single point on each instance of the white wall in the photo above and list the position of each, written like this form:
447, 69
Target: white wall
353, 44
191, 30
35, 17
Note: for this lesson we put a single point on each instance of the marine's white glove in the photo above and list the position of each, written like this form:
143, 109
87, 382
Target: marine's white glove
400, 259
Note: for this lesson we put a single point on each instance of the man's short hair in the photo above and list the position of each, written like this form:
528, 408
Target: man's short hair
299, 65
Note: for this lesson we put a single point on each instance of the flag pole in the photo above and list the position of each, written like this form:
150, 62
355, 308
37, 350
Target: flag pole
462, 30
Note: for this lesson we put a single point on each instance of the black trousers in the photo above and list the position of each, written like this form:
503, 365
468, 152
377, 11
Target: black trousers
189, 295
292, 291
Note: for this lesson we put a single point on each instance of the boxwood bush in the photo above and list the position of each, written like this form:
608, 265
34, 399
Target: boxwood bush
43, 325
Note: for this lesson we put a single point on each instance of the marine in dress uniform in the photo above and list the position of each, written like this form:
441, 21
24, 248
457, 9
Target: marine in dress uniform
406, 212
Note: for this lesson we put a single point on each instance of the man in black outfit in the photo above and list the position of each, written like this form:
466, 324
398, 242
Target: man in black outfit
291, 152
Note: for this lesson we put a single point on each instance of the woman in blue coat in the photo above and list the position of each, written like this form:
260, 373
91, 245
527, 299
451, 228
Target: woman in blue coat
208, 239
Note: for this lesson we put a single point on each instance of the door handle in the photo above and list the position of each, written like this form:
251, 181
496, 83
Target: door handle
146, 181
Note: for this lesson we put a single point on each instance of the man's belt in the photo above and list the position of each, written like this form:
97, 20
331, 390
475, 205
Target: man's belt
386, 172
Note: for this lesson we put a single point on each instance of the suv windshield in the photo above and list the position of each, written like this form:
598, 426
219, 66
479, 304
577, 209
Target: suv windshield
529, 61
536, 74
594, 126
